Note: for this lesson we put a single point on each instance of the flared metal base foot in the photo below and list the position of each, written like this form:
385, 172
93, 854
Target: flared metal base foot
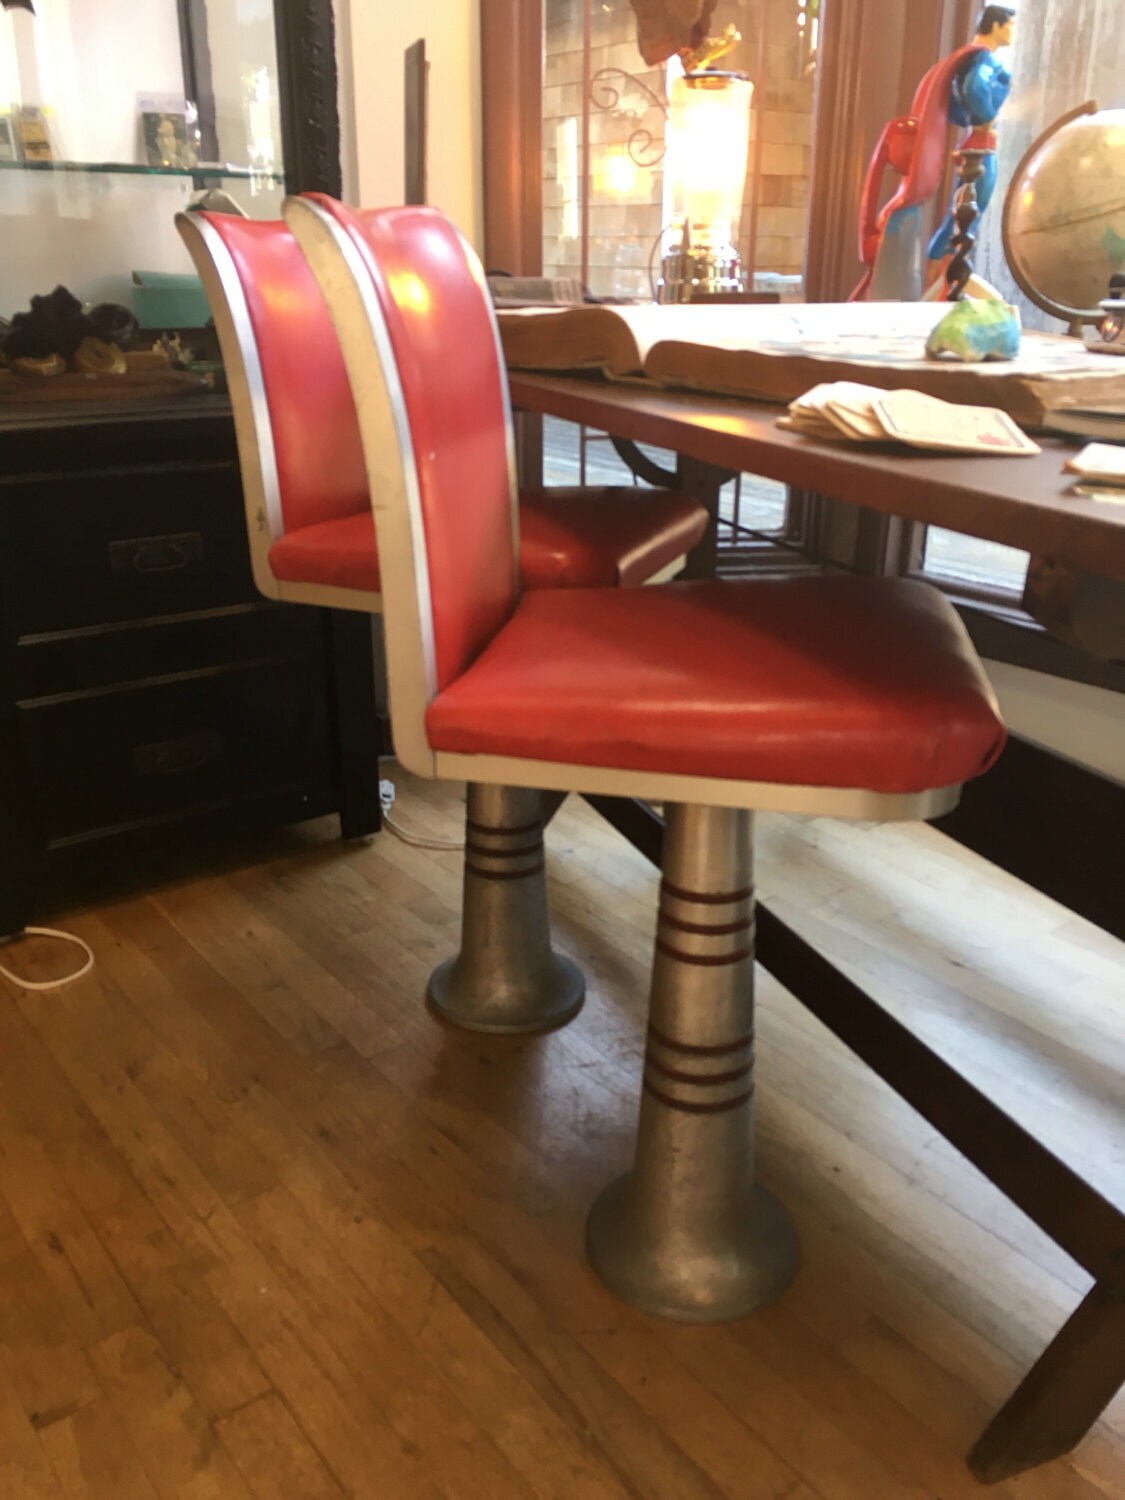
713, 1282
507, 977
555, 997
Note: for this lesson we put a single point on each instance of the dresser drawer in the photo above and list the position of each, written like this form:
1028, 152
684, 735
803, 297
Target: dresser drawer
67, 661
104, 760
123, 544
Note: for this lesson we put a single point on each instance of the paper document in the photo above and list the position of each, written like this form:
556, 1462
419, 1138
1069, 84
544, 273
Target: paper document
848, 410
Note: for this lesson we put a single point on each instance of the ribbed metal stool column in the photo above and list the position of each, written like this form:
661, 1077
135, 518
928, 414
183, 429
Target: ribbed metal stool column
507, 977
687, 1234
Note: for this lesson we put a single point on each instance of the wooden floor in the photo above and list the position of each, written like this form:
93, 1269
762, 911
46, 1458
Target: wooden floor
268, 1229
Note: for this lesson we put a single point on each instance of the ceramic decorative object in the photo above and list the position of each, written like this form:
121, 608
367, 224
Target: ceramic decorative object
972, 331
966, 89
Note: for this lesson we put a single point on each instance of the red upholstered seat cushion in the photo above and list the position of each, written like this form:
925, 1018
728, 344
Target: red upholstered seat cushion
340, 554
588, 538
842, 682
569, 538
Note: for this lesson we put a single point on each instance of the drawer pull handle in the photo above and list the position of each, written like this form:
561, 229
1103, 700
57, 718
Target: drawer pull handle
156, 554
173, 757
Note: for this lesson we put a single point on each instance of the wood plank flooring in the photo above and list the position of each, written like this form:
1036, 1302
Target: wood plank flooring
268, 1229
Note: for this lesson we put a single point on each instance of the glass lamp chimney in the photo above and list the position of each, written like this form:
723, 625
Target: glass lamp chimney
705, 167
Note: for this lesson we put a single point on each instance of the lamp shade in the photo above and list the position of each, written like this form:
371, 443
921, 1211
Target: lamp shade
708, 143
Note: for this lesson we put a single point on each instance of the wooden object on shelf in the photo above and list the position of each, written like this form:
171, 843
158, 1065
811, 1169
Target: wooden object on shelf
416, 80
134, 385
966, 212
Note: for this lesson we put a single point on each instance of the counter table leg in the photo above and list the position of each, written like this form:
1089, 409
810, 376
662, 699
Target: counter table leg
1065, 1391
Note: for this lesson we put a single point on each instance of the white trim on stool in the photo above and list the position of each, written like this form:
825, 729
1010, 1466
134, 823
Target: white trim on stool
706, 791
253, 425
242, 363
388, 449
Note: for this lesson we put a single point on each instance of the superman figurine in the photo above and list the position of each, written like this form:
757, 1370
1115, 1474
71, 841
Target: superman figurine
966, 88
976, 93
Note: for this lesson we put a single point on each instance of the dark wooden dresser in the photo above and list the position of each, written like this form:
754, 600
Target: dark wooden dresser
149, 697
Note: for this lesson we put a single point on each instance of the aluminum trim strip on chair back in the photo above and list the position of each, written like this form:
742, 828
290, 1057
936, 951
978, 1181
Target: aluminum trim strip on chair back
439, 317
340, 262
474, 263
257, 457
317, 453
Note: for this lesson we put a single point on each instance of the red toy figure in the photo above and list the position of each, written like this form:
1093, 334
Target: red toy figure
965, 88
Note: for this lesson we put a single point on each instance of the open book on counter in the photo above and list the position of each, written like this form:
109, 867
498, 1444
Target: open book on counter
775, 353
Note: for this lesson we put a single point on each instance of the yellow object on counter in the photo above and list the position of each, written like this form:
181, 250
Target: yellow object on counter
94, 357
53, 364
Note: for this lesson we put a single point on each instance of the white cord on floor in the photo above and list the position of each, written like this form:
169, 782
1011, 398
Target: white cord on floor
52, 984
415, 840
386, 798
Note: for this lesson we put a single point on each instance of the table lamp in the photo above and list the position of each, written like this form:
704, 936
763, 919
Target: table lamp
708, 143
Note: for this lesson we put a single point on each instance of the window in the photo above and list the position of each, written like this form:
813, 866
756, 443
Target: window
952, 557
604, 116
604, 208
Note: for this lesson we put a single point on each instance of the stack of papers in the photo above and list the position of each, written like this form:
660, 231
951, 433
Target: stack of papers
844, 409
1101, 469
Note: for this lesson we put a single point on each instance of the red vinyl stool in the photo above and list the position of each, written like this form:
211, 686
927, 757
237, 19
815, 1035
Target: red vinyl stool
309, 521
851, 697
312, 541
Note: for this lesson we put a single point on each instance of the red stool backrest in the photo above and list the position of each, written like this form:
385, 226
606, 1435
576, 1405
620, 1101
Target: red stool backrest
289, 388
450, 382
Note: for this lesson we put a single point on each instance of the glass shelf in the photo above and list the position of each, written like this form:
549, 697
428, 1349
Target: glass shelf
108, 101
140, 169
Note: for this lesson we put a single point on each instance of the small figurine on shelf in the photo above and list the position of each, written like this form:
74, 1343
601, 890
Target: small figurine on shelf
165, 139
965, 88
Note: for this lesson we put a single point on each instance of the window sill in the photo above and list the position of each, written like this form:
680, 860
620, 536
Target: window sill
1004, 632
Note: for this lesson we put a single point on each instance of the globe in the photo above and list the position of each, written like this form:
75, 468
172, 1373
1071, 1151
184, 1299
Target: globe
1064, 215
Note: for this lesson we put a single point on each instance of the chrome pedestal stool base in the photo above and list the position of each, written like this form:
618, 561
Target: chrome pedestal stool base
682, 1278
687, 1234
507, 977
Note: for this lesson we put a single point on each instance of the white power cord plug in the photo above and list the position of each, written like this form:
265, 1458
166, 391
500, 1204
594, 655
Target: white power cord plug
415, 840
